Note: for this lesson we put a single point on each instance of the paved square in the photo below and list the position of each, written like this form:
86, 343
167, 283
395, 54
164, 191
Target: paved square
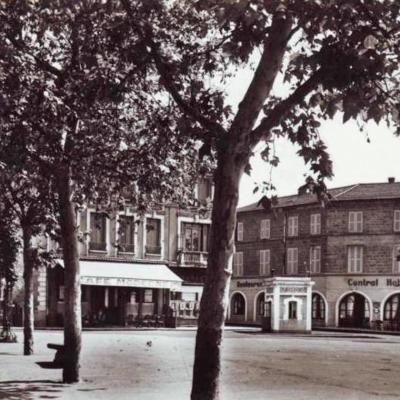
153, 365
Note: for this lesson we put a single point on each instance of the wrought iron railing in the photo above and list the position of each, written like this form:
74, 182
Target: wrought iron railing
153, 250
97, 246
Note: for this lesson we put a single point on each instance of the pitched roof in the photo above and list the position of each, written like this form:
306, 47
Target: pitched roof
360, 191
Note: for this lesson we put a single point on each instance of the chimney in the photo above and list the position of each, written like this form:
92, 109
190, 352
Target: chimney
391, 179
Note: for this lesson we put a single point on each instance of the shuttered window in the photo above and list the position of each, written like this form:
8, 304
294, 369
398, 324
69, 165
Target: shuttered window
265, 262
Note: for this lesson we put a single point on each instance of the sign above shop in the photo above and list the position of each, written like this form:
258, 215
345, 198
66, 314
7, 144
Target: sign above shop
249, 284
377, 282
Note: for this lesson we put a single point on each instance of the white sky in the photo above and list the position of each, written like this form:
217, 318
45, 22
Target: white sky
354, 159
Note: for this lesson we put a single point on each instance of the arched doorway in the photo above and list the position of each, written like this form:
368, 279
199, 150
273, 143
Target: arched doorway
260, 306
238, 306
354, 311
318, 310
391, 313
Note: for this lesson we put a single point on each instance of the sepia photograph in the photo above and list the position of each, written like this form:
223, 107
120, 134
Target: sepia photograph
200, 199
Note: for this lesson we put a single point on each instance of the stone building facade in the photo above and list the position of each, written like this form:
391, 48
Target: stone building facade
350, 248
135, 267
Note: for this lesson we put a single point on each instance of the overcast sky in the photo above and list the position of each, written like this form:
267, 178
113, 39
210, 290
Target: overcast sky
354, 159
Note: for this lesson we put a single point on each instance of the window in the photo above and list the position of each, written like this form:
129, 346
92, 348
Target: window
392, 309
292, 309
148, 296
133, 297
84, 293
355, 221
396, 221
292, 261
293, 226
195, 237
126, 232
396, 259
315, 259
61, 293
238, 264
315, 224
204, 190
355, 259
260, 305
265, 262
268, 309
98, 231
238, 304
153, 236
239, 231
318, 307
265, 229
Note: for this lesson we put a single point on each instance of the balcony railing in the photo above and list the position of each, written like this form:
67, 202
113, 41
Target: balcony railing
192, 258
153, 250
97, 246
126, 248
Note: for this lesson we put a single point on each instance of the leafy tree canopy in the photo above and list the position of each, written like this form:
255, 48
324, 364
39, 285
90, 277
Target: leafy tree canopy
336, 56
68, 102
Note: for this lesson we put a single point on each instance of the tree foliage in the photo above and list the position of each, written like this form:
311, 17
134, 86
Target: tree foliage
333, 55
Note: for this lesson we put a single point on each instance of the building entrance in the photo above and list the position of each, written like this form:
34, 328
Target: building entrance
354, 311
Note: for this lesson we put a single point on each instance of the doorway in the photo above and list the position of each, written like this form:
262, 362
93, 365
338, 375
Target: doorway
354, 311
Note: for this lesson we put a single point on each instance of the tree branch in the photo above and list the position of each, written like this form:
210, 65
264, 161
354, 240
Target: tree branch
281, 109
168, 80
264, 76
43, 65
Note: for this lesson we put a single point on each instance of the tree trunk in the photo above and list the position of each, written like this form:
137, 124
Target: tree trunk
72, 287
233, 154
28, 292
214, 300
6, 300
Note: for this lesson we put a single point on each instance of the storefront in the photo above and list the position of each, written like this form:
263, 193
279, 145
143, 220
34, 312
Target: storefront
279, 304
115, 293
359, 301
349, 301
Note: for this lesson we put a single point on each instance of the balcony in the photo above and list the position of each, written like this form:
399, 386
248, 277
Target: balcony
192, 258
126, 248
153, 250
94, 246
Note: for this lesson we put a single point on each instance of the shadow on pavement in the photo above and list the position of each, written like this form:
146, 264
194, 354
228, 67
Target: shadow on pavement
25, 390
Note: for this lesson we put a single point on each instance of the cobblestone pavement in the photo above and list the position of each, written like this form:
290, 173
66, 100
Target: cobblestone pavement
153, 365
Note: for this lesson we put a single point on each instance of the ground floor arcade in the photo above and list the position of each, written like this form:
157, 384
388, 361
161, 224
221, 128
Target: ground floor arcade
353, 301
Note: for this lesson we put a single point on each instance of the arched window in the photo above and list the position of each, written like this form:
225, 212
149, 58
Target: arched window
260, 304
238, 304
318, 307
392, 309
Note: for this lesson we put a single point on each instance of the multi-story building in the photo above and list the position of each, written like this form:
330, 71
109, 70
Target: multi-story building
135, 266
350, 247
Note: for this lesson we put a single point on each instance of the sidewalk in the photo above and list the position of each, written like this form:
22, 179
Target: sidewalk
157, 365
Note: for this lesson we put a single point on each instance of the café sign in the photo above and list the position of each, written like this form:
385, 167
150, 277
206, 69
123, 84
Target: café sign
129, 282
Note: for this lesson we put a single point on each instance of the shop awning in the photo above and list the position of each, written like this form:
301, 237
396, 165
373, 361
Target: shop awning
106, 273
